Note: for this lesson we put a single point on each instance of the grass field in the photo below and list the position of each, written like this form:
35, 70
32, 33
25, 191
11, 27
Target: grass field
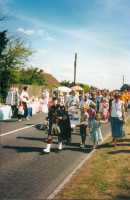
106, 175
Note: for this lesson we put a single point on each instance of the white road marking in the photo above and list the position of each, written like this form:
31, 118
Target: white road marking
14, 131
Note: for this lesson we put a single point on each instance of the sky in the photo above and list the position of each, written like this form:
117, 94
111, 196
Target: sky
98, 30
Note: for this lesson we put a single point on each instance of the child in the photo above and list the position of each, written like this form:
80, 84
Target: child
83, 126
104, 109
95, 130
29, 106
20, 111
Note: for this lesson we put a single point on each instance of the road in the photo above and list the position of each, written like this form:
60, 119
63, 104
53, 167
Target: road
27, 173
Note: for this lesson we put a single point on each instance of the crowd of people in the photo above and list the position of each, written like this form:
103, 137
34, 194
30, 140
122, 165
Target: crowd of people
23, 106
95, 108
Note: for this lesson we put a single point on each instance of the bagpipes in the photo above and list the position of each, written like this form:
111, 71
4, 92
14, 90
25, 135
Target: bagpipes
55, 129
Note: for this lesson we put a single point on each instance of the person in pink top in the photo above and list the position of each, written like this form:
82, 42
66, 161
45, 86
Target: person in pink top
104, 108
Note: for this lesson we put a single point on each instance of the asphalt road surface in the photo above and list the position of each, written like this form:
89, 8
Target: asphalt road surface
25, 171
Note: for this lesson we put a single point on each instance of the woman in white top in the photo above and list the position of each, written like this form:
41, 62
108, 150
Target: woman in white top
24, 97
117, 114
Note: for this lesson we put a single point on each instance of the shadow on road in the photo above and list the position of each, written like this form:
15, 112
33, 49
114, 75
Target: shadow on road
26, 149
9, 120
32, 138
23, 149
88, 149
106, 145
36, 139
41, 127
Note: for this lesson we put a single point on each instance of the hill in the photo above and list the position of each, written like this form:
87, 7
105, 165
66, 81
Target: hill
50, 80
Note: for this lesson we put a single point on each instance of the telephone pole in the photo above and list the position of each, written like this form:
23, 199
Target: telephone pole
123, 79
75, 67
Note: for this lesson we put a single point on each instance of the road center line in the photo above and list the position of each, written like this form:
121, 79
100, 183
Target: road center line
14, 131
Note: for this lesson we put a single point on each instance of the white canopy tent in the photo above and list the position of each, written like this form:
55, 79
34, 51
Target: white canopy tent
77, 88
63, 89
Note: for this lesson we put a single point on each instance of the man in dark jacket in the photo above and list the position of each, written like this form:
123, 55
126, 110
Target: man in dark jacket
58, 124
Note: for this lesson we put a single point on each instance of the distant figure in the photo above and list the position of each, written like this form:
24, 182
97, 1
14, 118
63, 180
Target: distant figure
44, 105
46, 95
117, 114
12, 99
98, 100
104, 108
73, 100
24, 97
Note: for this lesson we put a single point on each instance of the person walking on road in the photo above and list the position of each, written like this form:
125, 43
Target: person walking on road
57, 124
117, 114
83, 126
95, 130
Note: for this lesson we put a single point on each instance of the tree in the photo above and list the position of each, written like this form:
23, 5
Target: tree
85, 87
13, 57
125, 87
3, 42
31, 76
65, 83
16, 54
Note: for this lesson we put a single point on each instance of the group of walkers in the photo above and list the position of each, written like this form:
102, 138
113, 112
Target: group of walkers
95, 108
23, 106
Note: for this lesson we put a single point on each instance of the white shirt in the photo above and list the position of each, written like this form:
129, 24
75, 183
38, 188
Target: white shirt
24, 96
85, 103
73, 100
116, 109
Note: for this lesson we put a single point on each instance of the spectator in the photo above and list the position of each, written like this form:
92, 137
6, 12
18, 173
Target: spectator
104, 108
12, 99
117, 118
24, 97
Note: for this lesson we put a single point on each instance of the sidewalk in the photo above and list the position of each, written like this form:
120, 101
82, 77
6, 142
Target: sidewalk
105, 176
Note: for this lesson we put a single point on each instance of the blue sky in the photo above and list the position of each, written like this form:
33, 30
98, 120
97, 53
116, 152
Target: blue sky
98, 30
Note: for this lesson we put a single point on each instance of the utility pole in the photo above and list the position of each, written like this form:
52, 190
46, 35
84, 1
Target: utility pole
123, 79
75, 67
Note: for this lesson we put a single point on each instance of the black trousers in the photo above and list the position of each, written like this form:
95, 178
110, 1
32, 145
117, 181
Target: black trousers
25, 109
14, 111
83, 133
